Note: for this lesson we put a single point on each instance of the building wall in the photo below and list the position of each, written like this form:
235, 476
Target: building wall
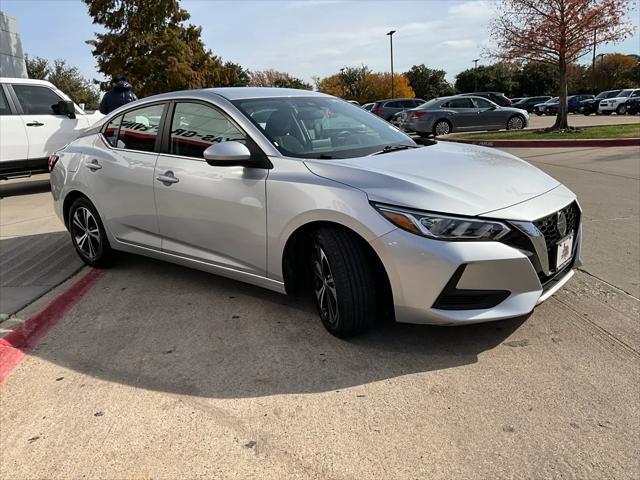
12, 62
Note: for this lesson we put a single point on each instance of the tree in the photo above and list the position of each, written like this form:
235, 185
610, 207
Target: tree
428, 83
37, 68
537, 78
274, 78
148, 42
66, 78
363, 85
616, 71
557, 32
499, 77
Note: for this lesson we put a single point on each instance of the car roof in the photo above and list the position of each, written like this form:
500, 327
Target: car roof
238, 93
31, 81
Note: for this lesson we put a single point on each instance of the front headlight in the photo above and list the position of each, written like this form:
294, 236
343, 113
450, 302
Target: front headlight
443, 227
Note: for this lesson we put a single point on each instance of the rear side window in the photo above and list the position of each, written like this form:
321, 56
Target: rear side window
36, 100
195, 127
112, 130
4, 105
139, 128
482, 102
459, 103
393, 105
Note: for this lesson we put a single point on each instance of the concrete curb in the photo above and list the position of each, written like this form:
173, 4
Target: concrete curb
613, 142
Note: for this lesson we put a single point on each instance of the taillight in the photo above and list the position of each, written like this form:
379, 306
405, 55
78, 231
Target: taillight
376, 111
53, 159
417, 115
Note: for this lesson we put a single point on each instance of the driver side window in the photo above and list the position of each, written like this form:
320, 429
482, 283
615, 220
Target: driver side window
195, 127
482, 103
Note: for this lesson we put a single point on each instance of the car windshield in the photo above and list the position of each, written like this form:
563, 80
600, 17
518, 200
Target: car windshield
625, 93
320, 127
553, 100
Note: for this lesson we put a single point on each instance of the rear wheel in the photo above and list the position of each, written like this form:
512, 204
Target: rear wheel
515, 123
441, 127
344, 282
88, 234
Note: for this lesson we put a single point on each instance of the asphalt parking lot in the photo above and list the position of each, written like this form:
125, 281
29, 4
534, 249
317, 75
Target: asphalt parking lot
164, 372
577, 120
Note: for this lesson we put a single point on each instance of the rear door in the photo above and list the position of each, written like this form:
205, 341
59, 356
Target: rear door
14, 147
210, 213
46, 131
119, 174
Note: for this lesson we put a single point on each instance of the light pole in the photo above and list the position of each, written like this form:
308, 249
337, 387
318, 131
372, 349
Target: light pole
475, 74
391, 42
342, 80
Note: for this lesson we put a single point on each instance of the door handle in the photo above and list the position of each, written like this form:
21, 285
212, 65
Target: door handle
93, 165
35, 124
167, 178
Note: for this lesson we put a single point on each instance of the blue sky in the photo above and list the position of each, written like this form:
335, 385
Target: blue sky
306, 38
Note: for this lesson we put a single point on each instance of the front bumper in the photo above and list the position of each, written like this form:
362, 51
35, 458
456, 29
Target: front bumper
447, 283
608, 107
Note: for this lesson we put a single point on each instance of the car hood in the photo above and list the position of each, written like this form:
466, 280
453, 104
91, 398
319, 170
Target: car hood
444, 177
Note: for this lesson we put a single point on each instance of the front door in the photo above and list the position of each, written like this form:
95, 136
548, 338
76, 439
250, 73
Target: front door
211, 214
488, 115
46, 131
465, 113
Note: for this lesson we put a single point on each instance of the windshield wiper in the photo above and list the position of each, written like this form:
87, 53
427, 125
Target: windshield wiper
395, 148
324, 156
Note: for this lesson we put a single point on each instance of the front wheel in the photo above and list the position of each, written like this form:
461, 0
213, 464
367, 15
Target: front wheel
88, 235
344, 282
622, 109
442, 127
515, 123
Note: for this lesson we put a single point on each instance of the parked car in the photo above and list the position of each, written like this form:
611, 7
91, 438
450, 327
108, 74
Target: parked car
515, 99
460, 113
495, 97
540, 108
632, 106
291, 189
35, 120
573, 103
368, 106
388, 108
618, 104
354, 102
589, 106
529, 102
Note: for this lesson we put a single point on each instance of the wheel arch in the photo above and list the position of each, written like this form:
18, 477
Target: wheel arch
71, 197
297, 247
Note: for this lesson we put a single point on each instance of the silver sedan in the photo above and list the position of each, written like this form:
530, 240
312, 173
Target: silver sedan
298, 191
442, 116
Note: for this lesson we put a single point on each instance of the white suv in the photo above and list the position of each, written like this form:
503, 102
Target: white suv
36, 119
618, 104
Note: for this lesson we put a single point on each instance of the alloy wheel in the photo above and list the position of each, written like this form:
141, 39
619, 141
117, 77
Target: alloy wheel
86, 232
324, 287
442, 128
515, 123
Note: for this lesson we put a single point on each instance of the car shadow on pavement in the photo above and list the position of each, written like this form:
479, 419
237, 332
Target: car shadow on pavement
162, 327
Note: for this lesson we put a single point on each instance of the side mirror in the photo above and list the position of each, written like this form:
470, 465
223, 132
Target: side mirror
66, 108
227, 154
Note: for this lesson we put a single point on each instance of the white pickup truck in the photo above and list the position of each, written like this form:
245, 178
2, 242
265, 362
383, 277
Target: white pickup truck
36, 119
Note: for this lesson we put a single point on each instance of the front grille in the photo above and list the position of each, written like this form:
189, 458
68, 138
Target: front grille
548, 226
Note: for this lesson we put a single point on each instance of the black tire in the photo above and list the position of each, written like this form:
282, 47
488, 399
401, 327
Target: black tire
441, 124
352, 273
586, 114
606, 112
538, 113
84, 223
621, 110
424, 134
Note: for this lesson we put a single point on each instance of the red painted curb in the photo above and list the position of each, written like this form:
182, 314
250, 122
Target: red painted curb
15, 345
614, 142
